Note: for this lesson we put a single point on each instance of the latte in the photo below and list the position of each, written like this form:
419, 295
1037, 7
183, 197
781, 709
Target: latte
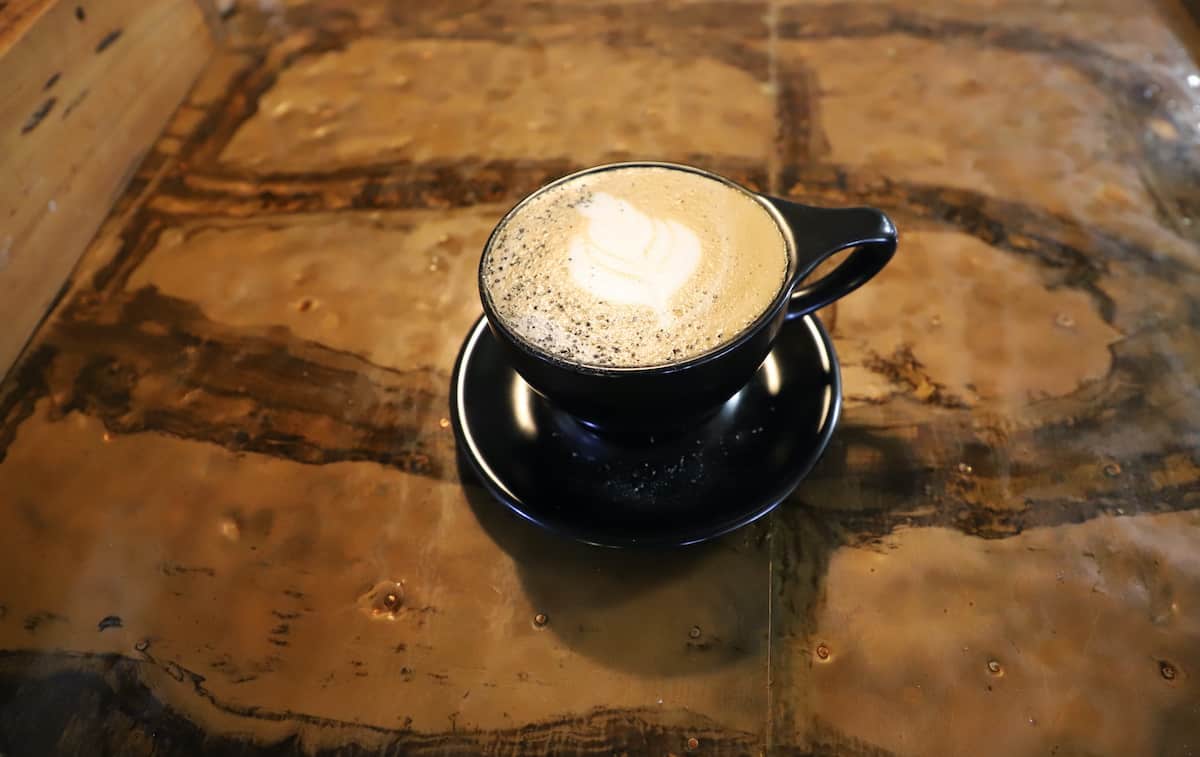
634, 266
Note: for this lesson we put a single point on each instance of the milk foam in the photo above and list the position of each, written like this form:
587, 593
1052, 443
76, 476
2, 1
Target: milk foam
624, 256
634, 266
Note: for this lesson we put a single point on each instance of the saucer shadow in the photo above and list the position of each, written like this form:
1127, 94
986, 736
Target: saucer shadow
665, 612
676, 611
839, 504
864, 480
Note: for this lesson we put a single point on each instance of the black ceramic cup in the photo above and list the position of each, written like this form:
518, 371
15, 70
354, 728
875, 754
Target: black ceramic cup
679, 394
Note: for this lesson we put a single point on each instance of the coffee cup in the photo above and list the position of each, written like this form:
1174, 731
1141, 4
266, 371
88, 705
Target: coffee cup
641, 296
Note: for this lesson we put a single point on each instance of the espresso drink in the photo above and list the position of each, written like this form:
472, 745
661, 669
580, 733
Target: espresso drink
634, 266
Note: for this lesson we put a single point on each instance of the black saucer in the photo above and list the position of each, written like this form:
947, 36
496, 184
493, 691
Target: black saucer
678, 489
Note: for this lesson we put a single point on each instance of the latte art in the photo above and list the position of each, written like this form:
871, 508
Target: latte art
624, 256
634, 266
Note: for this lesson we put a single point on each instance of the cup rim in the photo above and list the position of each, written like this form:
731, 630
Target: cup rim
716, 353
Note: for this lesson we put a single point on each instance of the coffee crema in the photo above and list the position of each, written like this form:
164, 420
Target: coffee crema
634, 266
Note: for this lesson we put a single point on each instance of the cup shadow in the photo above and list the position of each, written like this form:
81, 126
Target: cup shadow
657, 612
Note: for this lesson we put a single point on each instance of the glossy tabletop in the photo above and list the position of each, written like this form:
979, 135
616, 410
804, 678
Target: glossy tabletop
232, 519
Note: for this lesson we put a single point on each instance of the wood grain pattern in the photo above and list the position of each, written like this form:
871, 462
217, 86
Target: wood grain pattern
83, 95
16, 17
247, 383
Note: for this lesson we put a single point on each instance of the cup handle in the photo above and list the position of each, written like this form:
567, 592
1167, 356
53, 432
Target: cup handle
821, 232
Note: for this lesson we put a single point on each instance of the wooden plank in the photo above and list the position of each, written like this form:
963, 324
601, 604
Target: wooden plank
17, 17
84, 90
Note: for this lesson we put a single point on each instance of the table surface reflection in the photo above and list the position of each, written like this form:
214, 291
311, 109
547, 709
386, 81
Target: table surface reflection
233, 515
